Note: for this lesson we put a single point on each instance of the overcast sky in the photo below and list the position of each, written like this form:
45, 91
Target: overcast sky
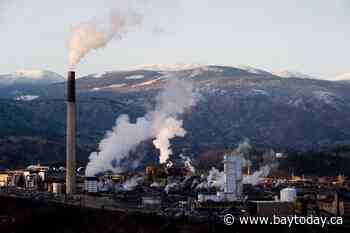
308, 36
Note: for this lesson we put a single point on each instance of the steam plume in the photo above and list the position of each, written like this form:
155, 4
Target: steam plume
171, 129
188, 163
216, 178
163, 124
132, 183
253, 179
96, 34
243, 147
269, 163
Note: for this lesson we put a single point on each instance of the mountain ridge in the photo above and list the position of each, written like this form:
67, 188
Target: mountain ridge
273, 112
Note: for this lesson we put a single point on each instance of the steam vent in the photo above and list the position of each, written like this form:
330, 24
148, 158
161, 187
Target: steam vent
70, 135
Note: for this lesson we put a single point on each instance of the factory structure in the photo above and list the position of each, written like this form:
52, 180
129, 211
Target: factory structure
177, 188
233, 166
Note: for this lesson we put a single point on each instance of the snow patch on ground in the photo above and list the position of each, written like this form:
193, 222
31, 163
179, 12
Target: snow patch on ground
201, 70
212, 69
135, 77
116, 85
252, 70
150, 82
296, 102
291, 74
168, 67
259, 92
98, 75
325, 96
109, 86
27, 97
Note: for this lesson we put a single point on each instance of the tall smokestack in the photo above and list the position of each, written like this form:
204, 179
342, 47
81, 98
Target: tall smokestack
70, 135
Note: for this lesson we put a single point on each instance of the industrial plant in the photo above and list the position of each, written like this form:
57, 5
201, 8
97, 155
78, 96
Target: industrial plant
173, 188
143, 161
178, 190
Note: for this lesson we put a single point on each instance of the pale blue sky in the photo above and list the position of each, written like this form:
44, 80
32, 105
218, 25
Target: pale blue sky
309, 36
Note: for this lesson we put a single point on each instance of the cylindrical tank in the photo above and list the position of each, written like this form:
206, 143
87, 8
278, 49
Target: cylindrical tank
57, 188
288, 195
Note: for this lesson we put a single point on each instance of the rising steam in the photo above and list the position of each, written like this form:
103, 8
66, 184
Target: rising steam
264, 171
216, 178
162, 124
170, 129
96, 34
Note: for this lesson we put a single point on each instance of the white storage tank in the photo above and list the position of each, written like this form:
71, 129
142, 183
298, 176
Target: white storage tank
57, 188
288, 195
91, 184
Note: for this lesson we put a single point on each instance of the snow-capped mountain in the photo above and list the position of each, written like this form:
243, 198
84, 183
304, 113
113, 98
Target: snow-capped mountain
252, 69
235, 103
31, 76
167, 67
291, 74
26, 83
198, 67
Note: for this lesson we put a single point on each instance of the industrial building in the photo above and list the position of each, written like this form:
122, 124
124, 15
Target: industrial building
173, 191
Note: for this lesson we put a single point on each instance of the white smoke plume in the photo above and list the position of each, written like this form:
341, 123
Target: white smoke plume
243, 147
216, 178
264, 171
172, 128
131, 183
169, 164
170, 186
155, 185
172, 102
188, 163
202, 185
97, 33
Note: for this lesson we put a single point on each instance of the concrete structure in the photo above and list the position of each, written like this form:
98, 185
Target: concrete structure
70, 135
233, 165
288, 195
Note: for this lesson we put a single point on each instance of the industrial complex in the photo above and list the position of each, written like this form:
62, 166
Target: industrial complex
177, 191
177, 188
